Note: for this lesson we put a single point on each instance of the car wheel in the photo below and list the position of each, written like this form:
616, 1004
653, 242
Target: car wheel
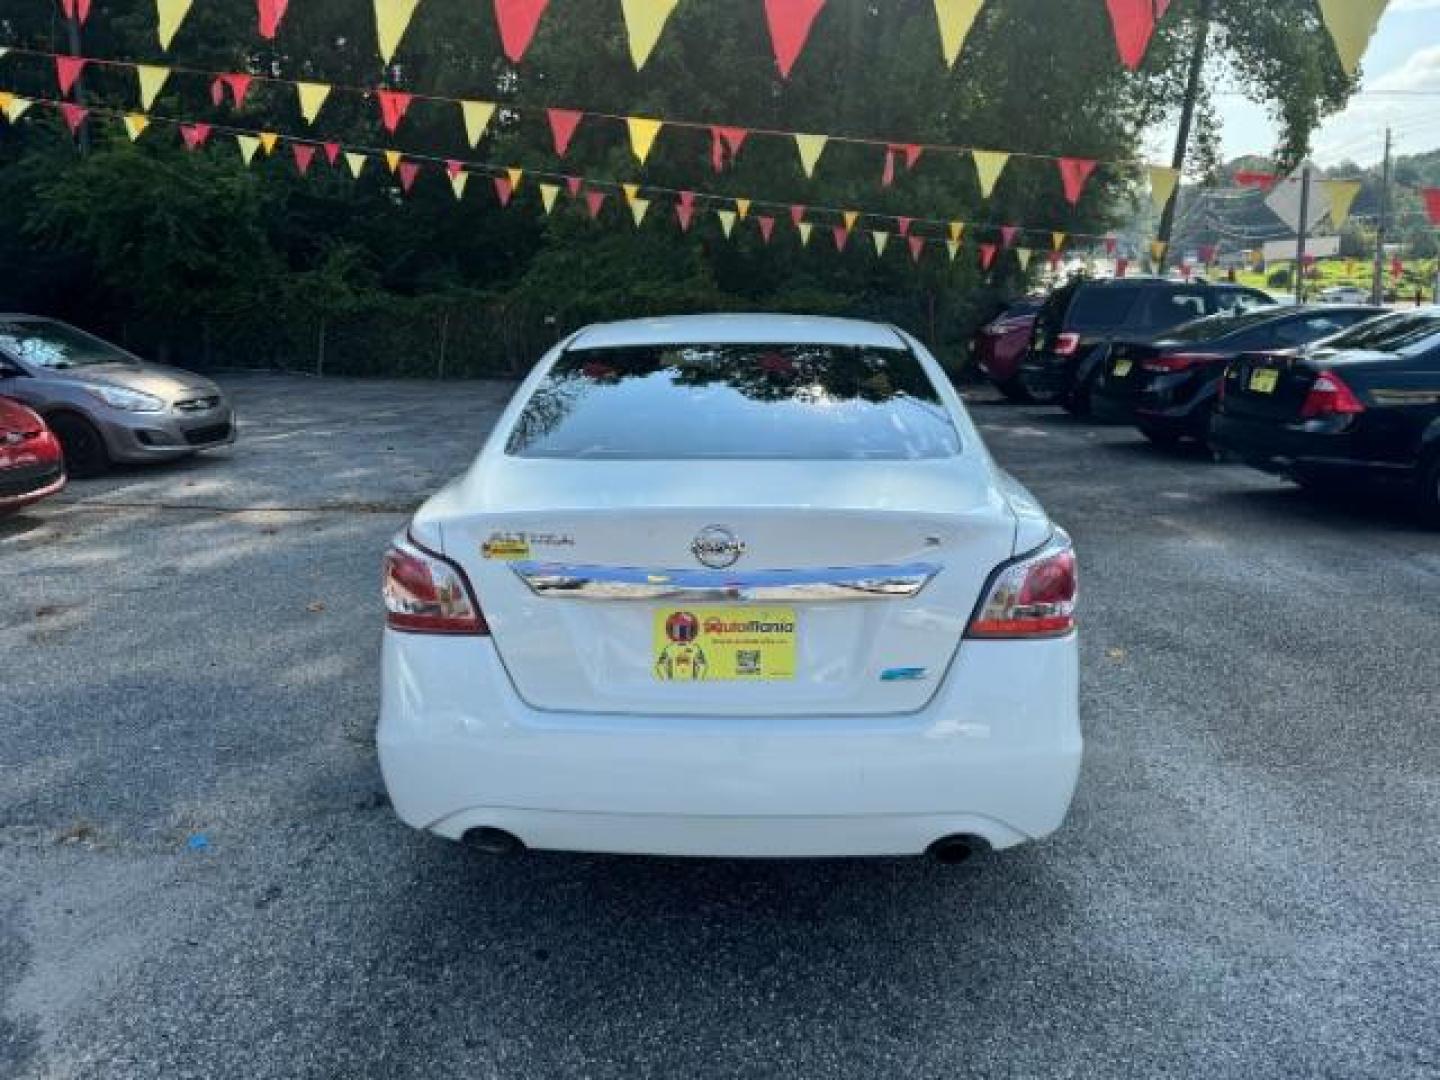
1014, 390
85, 453
1077, 402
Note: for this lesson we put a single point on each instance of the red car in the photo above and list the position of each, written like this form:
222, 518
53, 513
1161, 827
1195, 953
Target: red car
31, 464
1000, 345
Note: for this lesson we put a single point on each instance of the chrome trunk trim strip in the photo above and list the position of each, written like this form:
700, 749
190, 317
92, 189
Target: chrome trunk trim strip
567, 582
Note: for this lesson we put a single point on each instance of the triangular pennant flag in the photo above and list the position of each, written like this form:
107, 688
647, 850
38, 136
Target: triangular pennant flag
642, 135
1008, 234
408, 171
270, 12
392, 160
797, 214
239, 86
67, 70
312, 98
917, 247
989, 164
1074, 172
1256, 178
248, 144
957, 231
458, 179
1110, 245
953, 246
15, 107
804, 228
356, 163
170, 14
1157, 251
194, 135
594, 200
644, 20
1055, 259
503, 190
1134, 24
1121, 266
1352, 24
842, 236
882, 240
477, 116
685, 210
152, 79
638, 207
391, 19
790, 23
956, 18
727, 221
1163, 180
742, 207
515, 176
1057, 241
1207, 253
987, 255
851, 217
1431, 198
810, 147
725, 142
767, 226
888, 176
1342, 196
393, 106
548, 194
518, 20
304, 154
563, 123
904, 224
79, 10
217, 92
631, 191
1022, 256
332, 152
574, 185
75, 116
135, 125
268, 140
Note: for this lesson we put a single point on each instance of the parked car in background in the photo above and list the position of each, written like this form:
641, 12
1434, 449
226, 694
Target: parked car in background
1000, 345
31, 465
1076, 325
1344, 294
1167, 386
105, 404
1364, 408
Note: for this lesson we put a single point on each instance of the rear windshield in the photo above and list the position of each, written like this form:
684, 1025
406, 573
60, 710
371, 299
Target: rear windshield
55, 345
1218, 326
697, 402
1389, 333
1096, 308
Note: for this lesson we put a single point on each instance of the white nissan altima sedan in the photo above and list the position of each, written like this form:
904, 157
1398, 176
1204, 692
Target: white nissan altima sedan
732, 585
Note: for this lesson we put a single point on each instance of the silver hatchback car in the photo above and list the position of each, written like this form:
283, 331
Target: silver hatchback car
105, 404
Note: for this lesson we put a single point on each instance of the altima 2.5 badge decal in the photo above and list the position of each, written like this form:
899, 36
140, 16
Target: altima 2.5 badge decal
516, 546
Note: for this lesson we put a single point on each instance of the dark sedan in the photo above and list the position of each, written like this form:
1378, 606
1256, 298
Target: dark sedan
1167, 386
1366, 412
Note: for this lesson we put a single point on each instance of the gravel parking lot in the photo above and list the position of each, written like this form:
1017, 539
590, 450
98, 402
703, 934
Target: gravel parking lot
199, 875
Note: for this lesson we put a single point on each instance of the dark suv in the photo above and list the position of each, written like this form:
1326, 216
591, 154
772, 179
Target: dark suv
1075, 328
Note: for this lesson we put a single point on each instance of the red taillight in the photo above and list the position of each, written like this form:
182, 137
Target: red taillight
1067, 344
426, 593
1034, 597
1167, 365
1329, 396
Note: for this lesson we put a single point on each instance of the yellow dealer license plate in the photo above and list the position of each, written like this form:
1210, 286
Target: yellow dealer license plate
1264, 380
700, 643
1122, 368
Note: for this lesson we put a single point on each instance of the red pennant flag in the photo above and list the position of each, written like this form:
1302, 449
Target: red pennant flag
1074, 172
1250, 178
725, 143
1121, 265
767, 225
195, 135
74, 115
304, 155
797, 214
905, 224
1008, 234
917, 245
271, 12
842, 237
217, 91
987, 256
1397, 268
594, 200
393, 106
518, 20
408, 171
67, 70
685, 209
573, 184
239, 86
1055, 257
453, 168
1161, 6
790, 22
563, 123
1207, 253
1432, 204
888, 176
1134, 22
78, 10
332, 152
1110, 244
503, 190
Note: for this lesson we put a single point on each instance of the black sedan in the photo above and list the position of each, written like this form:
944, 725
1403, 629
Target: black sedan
1366, 411
1167, 385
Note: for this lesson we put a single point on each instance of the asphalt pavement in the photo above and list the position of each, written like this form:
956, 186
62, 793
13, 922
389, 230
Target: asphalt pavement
199, 875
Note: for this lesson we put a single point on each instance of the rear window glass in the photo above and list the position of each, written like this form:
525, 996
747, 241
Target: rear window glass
1217, 326
696, 402
1165, 307
1100, 307
1389, 333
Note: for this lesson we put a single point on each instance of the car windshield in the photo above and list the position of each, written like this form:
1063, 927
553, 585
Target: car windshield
698, 401
1100, 306
1218, 326
1389, 333
55, 346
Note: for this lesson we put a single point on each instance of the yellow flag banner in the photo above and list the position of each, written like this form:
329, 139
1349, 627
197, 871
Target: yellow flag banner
248, 144
642, 135
15, 107
548, 194
312, 98
169, 14
477, 116
953, 246
1023, 256
392, 159
882, 240
1162, 184
458, 179
152, 80
810, 147
727, 221
1342, 196
1352, 24
742, 207
851, 217
956, 17
515, 175
638, 206
644, 21
1157, 251
957, 231
6, 97
135, 124
989, 164
1057, 241
269, 140
805, 229
356, 163
391, 19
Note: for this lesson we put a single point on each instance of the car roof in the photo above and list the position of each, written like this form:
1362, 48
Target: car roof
738, 329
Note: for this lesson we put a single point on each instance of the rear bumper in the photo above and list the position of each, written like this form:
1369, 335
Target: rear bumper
996, 754
1302, 450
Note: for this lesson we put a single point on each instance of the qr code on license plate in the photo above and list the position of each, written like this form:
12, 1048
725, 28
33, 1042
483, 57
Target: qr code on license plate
747, 661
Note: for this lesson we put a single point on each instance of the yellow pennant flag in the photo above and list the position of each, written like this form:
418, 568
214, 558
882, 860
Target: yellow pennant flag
458, 180
15, 107
391, 19
1162, 184
644, 20
1057, 240
810, 147
632, 191
642, 135
742, 207
135, 123
248, 144
954, 247
477, 116
881, 238
805, 229
727, 221
1157, 251
638, 206
268, 139
392, 160
1342, 196
6, 97
1352, 24
356, 163
152, 80
312, 98
989, 164
956, 18
548, 194
957, 231
851, 217
1023, 255
515, 176
170, 13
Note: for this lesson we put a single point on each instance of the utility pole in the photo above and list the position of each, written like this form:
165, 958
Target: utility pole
1300, 235
1187, 119
1377, 283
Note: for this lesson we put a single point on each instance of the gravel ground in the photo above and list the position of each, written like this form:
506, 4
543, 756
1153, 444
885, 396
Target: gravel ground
199, 875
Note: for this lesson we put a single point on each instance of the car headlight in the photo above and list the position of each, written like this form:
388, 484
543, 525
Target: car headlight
118, 397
